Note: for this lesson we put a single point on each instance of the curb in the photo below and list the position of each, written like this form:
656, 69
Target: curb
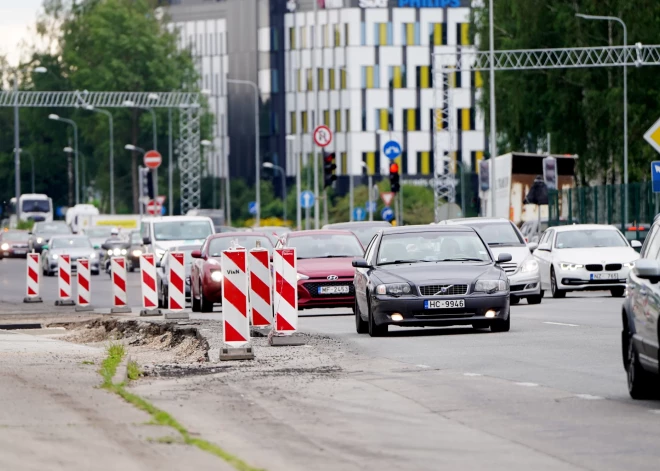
121, 375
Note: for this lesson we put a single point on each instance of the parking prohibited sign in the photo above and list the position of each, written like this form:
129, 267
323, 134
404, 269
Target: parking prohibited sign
322, 136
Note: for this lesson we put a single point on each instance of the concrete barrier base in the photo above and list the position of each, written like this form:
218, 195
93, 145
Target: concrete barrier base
293, 340
65, 302
33, 299
121, 310
84, 308
176, 315
150, 312
229, 353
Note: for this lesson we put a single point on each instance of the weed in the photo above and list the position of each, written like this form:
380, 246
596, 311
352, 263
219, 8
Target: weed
87, 362
116, 352
133, 370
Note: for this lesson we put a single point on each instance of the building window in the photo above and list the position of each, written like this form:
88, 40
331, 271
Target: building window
274, 123
344, 163
424, 163
337, 38
303, 119
274, 81
438, 117
292, 38
303, 37
364, 119
398, 76
332, 79
325, 39
326, 117
411, 119
478, 79
371, 76
343, 77
348, 120
274, 39
463, 33
383, 34
299, 79
337, 120
438, 35
466, 119
310, 80
363, 34
423, 76
383, 119
411, 34
319, 80
346, 35
292, 116
369, 158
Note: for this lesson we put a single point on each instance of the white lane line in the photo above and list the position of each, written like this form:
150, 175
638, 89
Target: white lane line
422, 366
528, 385
561, 323
589, 397
472, 374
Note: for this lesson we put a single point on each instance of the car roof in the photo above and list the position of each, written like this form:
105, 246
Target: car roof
587, 227
476, 220
319, 232
427, 228
349, 224
70, 236
176, 218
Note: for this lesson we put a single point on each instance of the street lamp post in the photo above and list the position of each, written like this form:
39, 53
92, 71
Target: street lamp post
281, 170
83, 171
21, 151
112, 152
257, 156
140, 150
493, 114
369, 184
292, 139
71, 122
17, 139
154, 123
625, 103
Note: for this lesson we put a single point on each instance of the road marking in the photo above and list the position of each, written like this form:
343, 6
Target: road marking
561, 323
655, 411
589, 397
422, 366
528, 385
472, 374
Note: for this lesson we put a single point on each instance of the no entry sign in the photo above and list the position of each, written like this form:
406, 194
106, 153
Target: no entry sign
152, 159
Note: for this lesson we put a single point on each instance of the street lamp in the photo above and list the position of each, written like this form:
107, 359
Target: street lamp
32, 159
71, 122
133, 148
292, 139
112, 152
625, 102
369, 183
17, 140
281, 170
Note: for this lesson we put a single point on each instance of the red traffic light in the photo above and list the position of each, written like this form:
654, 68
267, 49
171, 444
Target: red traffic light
394, 168
329, 158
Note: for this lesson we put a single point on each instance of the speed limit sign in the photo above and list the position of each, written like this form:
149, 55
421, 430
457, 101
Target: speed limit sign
322, 136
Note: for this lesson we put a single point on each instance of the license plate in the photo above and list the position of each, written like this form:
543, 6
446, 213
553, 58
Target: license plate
333, 289
20, 252
448, 304
604, 276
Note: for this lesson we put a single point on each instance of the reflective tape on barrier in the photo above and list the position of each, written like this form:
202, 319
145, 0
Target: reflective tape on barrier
236, 324
118, 269
84, 278
285, 300
176, 281
148, 278
261, 307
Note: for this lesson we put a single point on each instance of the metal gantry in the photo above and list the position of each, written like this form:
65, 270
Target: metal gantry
188, 104
446, 64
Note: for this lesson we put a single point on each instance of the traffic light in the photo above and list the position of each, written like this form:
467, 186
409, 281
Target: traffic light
329, 168
394, 178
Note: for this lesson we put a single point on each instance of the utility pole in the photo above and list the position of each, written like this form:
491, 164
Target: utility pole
317, 121
493, 124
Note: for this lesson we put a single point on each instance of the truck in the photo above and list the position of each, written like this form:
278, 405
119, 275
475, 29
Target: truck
514, 175
125, 222
36, 207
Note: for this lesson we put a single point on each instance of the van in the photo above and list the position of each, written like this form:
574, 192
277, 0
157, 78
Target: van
162, 233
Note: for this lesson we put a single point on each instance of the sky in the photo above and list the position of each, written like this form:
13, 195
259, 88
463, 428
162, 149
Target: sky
17, 19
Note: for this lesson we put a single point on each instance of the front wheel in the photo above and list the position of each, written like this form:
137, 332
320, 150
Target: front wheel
618, 292
361, 326
536, 299
640, 381
501, 325
374, 329
204, 304
196, 305
556, 292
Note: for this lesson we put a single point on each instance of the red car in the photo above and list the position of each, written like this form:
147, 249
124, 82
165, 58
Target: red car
325, 270
205, 273
14, 244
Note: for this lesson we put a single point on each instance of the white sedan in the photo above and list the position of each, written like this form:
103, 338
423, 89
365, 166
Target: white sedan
585, 257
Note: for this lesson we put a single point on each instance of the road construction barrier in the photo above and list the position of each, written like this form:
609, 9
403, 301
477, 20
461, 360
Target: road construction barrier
176, 281
236, 325
84, 277
118, 270
64, 281
261, 308
33, 278
285, 301
148, 276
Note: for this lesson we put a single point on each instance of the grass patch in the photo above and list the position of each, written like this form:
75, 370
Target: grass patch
133, 370
87, 362
116, 352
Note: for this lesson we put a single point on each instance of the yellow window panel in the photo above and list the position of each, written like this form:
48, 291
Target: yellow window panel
304, 122
326, 117
348, 120
412, 125
325, 36
424, 76
437, 34
293, 122
384, 119
410, 34
399, 161
465, 34
346, 35
337, 120
397, 81
382, 34
370, 76
310, 80
478, 80
343, 79
337, 36
425, 167
303, 37
299, 79
465, 118
319, 77
478, 158
371, 162
292, 38
331, 72
344, 164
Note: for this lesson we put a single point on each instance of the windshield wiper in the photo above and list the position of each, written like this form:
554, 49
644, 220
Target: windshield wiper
395, 262
497, 244
464, 259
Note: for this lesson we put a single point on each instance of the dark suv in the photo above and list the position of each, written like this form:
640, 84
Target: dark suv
640, 337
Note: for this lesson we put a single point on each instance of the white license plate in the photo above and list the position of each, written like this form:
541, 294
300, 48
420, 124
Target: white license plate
333, 289
448, 304
604, 276
20, 252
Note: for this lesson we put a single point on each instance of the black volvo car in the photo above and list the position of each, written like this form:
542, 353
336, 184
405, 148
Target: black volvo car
415, 276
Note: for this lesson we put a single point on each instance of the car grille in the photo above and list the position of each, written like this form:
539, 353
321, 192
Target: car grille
313, 289
509, 268
19, 246
613, 267
436, 290
594, 267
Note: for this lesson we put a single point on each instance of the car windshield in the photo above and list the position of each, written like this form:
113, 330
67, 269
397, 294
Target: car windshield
326, 246
98, 232
72, 243
35, 206
218, 244
585, 239
182, 230
15, 236
52, 228
432, 246
498, 234
136, 239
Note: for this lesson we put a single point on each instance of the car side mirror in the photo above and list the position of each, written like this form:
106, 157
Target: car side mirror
504, 257
360, 263
647, 269
544, 247
44, 247
196, 254
146, 240
635, 244
158, 264
532, 246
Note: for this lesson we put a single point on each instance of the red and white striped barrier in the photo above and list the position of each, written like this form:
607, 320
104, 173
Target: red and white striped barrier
148, 277
285, 301
33, 278
84, 290
261, 308
118, 270
176, 281
236, 325
64, 281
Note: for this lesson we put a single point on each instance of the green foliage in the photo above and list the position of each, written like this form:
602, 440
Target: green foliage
133, 370
24, 225
115, 352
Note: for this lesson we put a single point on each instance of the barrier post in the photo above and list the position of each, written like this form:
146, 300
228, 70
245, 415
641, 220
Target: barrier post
285, 301
33, 278
260, 281
176, 286
150, 302
118, 272
84, 291
235, 320
64, 281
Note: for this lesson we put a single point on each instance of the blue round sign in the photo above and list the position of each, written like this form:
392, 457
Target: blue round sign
252, 207
392, 150
387, 214
306, 199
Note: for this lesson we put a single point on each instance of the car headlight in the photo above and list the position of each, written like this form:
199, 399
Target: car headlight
394, 289
300, 276
629, 264
4, 246
111, 252
53, 256
40, 240
490, 286
216, 276
137, 253
570, 266
123, 251
529, 265
92, 256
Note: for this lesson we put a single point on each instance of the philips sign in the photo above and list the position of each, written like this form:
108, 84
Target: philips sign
429, 3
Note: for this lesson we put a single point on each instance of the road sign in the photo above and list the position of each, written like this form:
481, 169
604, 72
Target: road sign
154, 207
652, 136
387, 197
484, 175
392, 150
152, 159
550, 172
322, 136
387, 214
306, 199
655, 176
359, 214
371, 207
252, 207
161, 199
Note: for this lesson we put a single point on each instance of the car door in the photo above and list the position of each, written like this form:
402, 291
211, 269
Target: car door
543, 255
652, 311
361, 280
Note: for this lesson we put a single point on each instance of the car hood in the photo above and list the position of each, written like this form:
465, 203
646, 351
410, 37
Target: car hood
518, 254
98, 240
77, 252
596, 255
437, 273
324, 267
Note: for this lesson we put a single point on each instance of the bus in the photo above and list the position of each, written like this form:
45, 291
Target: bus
35, 207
